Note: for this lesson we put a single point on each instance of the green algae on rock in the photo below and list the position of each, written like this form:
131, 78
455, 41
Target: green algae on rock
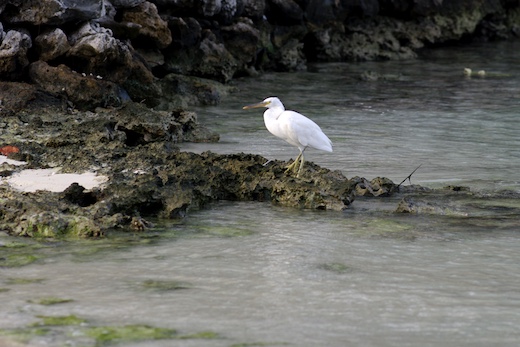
72, 329
338, 268
10, 281
104, 335
59, 321
166, 285
50, 301
17, 260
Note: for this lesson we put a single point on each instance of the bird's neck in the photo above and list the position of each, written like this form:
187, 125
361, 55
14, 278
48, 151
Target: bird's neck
273, 112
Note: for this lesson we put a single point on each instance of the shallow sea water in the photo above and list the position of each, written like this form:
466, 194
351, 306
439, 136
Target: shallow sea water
263, 275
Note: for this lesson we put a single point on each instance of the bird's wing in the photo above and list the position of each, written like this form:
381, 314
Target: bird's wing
302, 132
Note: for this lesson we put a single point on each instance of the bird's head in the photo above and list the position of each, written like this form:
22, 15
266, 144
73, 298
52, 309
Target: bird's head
269, 102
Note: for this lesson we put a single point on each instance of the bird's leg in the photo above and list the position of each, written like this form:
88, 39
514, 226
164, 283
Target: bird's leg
302, 160
293, 165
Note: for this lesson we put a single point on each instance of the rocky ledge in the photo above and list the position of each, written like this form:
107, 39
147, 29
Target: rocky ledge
134, 149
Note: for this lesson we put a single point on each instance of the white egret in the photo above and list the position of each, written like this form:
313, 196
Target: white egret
294, 128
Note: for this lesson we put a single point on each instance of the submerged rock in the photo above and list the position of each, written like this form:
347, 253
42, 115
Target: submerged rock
379, 186
423, 206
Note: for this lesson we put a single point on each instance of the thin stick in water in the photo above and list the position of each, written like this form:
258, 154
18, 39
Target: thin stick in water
409, 177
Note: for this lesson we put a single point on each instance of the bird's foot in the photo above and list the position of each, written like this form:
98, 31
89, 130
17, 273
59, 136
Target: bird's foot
290, 168
294, 168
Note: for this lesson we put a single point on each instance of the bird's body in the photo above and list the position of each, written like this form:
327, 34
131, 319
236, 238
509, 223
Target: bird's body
294, 128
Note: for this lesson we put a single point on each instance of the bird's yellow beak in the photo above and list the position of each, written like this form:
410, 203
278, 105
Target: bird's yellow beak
260, 104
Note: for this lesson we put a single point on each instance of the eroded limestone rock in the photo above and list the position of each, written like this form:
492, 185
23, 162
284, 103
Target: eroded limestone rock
52, 44
13, 54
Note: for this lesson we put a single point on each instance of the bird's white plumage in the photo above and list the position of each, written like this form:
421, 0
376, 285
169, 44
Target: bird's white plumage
293, 127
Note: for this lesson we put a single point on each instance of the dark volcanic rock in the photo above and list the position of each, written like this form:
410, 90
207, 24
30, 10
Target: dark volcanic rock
15, 96
135, 43
50, 12
152, 28
51, 44
284, 12
209, 59
184, 90
82, 90
95, 51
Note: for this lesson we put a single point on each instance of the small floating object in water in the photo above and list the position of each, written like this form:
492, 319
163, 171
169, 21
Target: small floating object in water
6, 150
469, 72
483, 73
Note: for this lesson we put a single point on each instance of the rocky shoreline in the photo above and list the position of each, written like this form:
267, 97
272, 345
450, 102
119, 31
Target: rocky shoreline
103, 86
172, 53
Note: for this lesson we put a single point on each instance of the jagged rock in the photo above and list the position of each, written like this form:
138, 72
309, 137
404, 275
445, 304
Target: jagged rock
209, 8
153, 30
290, 57
91, 40
379, 186
281, 35
13, 54
51, 12
254, 9
284, 12
210, 59
82, 90
95, 51
241, 40
120, 29
14, 97
186, 32
188, 7
172, 191
126, 3
182, 91
51, 44
152, 57
228, 11
142, 126
319, 12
